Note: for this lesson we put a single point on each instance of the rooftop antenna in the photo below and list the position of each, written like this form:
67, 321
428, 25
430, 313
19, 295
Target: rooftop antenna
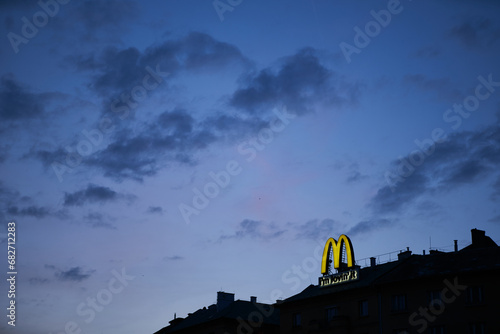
430, 243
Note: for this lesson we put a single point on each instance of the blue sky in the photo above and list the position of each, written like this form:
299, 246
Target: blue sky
154, 153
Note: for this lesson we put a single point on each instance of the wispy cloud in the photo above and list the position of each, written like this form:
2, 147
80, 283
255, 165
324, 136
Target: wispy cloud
477, 32
465, 157
92, 194
255, 230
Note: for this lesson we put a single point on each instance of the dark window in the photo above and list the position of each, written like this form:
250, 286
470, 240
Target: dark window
398, 303
436, 330
474, 294
400, 331
477, 328
332, 312
363, 308
434, 295
297, 320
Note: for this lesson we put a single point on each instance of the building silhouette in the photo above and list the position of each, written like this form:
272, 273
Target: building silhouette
228, 316
437, 293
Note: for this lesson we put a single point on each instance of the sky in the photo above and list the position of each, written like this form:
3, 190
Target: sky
153, 153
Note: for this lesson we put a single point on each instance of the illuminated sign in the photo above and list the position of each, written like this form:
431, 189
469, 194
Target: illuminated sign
343, 277
333, 249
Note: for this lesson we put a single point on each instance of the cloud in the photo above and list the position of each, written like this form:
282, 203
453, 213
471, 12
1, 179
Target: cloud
370, 226
75, 274
354, 174
115, 71
300, 82
92, 194
463, 158
254, 229
495, 219
477, 32
172, 136
316, 229
97, 220
496, 187
38, 280
32, 211
155, 209
17, 102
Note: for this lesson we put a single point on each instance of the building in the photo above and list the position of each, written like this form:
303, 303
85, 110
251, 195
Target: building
228, 317
437, 293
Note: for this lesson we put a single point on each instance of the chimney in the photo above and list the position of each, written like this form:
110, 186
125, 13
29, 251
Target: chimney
224, 299
373, 262
404, 255
253, 299
456, 245
477, 235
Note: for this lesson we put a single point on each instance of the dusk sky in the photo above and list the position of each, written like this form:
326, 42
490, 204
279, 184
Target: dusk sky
153, 153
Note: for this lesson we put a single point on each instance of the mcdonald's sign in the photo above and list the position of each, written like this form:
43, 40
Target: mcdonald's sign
333, 248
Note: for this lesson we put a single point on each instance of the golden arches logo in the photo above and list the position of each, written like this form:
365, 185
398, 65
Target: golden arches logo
335, 248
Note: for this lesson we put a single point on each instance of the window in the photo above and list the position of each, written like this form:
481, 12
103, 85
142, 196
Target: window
332, 312
477, 328
434, 295
363, 308
436, 330
297, 320
474, 295
398, 303
400, 331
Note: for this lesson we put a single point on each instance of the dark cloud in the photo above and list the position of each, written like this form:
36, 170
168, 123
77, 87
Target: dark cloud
254, 229
392, 199
92, 194
17, 102
369, 226
354, 174
32, 211
116, 71
315, 228
300, 83
172, 136
155, 209
76, 274
463, 158
476, 32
